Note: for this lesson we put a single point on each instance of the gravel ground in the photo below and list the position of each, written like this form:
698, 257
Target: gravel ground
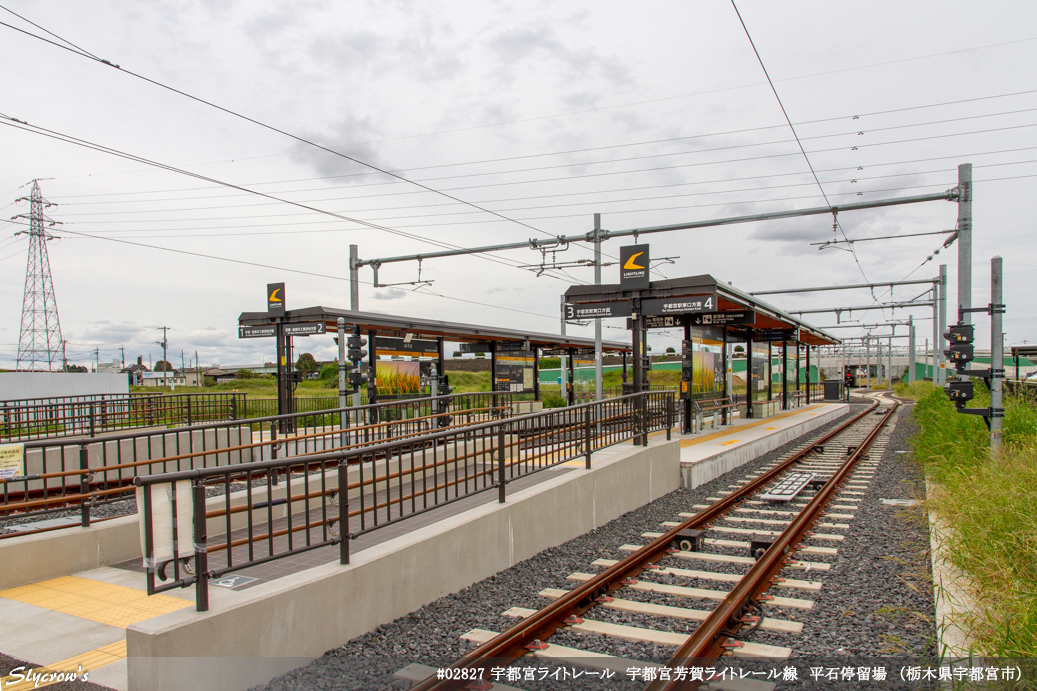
875, 600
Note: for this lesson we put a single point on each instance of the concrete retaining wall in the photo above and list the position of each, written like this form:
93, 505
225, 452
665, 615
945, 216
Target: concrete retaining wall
701, 472
18, 386
250, 636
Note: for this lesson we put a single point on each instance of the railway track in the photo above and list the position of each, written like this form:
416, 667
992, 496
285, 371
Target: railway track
753, 556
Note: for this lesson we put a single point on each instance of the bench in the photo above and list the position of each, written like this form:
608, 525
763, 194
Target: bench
715, 406
797, 399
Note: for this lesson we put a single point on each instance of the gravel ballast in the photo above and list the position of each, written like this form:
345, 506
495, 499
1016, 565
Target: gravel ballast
875, 600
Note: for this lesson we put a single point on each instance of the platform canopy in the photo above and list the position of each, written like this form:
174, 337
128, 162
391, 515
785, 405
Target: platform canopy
1027, 351
703, 300
389, 325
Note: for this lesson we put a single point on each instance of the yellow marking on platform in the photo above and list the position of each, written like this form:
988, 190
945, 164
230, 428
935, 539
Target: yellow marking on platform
723, 433
729, 443
78, 664
115, 605
767, 428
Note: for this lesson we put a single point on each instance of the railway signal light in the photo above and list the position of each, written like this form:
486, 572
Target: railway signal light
358, 379
444, 386
960, 392
355, 350
960, 351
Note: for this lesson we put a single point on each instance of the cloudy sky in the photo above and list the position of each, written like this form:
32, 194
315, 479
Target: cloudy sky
542, 113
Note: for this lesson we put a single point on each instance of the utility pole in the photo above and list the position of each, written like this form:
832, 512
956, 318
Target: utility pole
597, 322
122, 356
165, 344
964, 240
97, 359
354, 279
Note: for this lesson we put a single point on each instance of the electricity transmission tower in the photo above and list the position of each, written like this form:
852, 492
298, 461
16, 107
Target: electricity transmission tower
39, 340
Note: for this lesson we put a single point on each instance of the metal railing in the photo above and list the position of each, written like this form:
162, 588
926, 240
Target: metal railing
265, 407
332, 498
92, 415
61, 475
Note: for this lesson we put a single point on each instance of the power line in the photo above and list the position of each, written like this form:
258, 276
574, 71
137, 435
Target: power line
77, 51
52, 134
806, 158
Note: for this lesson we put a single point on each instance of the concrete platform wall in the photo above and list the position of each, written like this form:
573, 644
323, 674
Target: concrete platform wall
250, 636
701, 472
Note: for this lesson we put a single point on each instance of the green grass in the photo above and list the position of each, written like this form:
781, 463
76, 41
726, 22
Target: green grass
990, 505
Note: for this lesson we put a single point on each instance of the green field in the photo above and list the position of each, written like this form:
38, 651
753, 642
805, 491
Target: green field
989, 502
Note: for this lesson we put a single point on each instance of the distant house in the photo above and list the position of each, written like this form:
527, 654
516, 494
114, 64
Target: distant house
135, 373
154, 379
221, 375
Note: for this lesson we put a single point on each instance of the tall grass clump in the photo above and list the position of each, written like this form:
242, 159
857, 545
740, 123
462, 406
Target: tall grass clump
989, 503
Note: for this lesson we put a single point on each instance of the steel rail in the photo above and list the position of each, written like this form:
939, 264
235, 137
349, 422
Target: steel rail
512, 644
708, 641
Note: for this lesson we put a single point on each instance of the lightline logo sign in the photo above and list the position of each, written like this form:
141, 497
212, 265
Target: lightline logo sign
275, 299
634, 267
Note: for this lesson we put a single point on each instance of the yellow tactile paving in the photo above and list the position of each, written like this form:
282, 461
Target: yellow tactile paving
85, 598
78, 665
733, 430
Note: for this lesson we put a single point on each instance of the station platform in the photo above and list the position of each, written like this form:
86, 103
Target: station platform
709, 454
283, 614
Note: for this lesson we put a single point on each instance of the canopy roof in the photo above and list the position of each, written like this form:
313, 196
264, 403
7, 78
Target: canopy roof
399, 326
729, 299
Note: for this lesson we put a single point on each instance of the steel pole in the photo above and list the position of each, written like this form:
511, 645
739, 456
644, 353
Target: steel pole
597, 322
889, 364
563, 380
867, 350
943, 321
354, 279
936, 330
965, 238
911, 351
997, 356
342, 393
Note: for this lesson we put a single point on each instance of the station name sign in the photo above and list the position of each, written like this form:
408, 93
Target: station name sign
599, 310
682, 305
776, 335
385, 345
262, 331
502, 346
724, 318
306, 329
270, 330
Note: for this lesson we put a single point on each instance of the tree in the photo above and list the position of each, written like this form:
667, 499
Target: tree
457, 353
739, 349
246, 374
329, 372
163, 366
307, 364
671, 349
75, 368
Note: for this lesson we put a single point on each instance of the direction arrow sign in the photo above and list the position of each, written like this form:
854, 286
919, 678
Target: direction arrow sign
659, 322
263, 331
599, 310
307, 329
722, 318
